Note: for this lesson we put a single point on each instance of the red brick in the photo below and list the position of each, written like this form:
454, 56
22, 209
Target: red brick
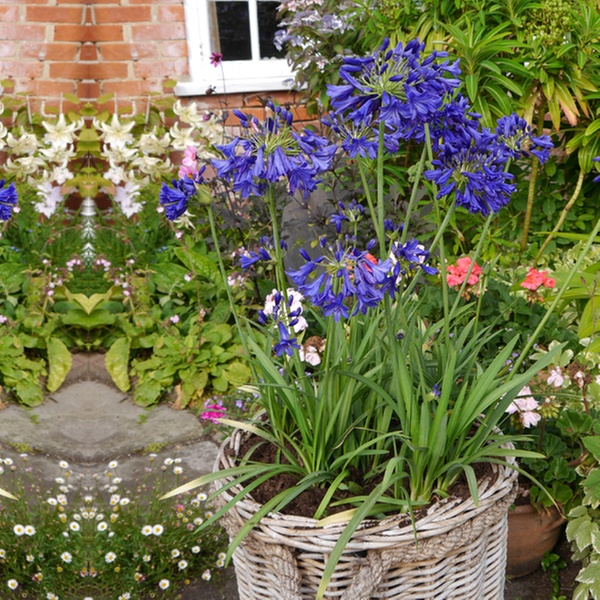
161, 31
155, 1
122, 88
128, 51
48, 51
15, 31
175, 49
107, 33
7, 49
87, 90
165, 68
69, 70
88, 52
22, 68
55, 14
9, 13
109, 70
170, 13
121, 14
45, 88
73, 33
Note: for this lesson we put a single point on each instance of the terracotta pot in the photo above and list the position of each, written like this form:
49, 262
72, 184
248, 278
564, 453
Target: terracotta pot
531, 533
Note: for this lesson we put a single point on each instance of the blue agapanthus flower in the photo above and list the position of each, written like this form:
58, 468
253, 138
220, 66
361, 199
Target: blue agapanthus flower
8, 200
263, 253
516, 135
175, 199
394, 86
272, 150
346, 279
286, 316
597, 178
474, 169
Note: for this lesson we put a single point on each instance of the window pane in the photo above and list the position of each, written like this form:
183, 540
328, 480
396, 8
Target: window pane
233, 30
267, 26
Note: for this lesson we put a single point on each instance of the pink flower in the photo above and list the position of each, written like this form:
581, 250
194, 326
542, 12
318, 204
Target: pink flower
534, 279
216, 58
189, 163
213, 413
526, 405
457, 273
556, 377
174, 319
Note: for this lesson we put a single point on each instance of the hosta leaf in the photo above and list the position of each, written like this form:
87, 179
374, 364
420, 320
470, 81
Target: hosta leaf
117, 363
59, 363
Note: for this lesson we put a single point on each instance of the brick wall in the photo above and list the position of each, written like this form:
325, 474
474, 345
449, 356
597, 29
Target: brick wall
89, 48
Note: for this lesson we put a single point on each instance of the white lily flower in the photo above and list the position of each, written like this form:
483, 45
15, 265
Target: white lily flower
116, 173
25, 165
188, 114
150, 144
152, 165
60, 134
119, 154
182, 138
60, 174
58, 154
117, 134
26, 144
125, 196
50, 196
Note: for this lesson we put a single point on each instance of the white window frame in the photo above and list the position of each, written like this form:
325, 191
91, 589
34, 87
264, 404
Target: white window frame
253, 75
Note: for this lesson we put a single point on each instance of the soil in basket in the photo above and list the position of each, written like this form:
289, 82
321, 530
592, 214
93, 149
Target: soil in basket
307, 503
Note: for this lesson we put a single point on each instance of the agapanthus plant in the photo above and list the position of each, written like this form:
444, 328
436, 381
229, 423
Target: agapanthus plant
409, 402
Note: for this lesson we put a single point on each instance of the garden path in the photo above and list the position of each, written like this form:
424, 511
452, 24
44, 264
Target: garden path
89, 423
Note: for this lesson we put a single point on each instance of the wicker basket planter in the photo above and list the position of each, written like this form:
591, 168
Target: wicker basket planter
461, 550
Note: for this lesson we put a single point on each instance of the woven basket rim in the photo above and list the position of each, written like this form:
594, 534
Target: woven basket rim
436, 514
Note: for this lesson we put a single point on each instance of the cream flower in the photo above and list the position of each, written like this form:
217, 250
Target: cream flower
51, 197
188, 114
117, 134
26, 144
182, 138
150, 144
60, 134
125, 196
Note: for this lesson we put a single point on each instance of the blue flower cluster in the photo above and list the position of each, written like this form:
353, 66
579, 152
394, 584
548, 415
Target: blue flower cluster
8, 200
264, 253
285, 316
175, 200
396, 87
272, 150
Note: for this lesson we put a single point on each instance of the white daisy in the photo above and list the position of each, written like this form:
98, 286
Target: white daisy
13, 584
66, 557
110, 557
163, 584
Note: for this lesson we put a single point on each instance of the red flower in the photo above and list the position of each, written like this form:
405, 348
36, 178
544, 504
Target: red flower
457, 273
535, 279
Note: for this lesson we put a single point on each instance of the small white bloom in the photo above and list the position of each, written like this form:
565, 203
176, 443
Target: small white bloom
61, 499
177, 470
114, 499
163, 584
182, 564
147, 530
102, 526
19, 530
195, 549
168, 462
29, 558
74, 526
66, 557
124, 501
117, 480
8, 462
113, 464
175, 553
146, 558
157, 529
63, 464
110, 557
13, 584
59, 480
52, 501
2, 553
206, 575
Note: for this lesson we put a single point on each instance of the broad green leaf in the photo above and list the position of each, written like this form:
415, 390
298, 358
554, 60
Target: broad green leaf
592, 443
30, 393
88, 303
59, 363
80, 318
237, 373
590, 318
147, 393
117, 363
590, 574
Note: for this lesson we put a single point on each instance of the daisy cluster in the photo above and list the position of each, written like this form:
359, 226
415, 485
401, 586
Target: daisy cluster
95, 533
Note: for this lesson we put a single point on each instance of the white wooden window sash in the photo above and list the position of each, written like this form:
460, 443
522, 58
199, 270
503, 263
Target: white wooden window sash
254, 75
